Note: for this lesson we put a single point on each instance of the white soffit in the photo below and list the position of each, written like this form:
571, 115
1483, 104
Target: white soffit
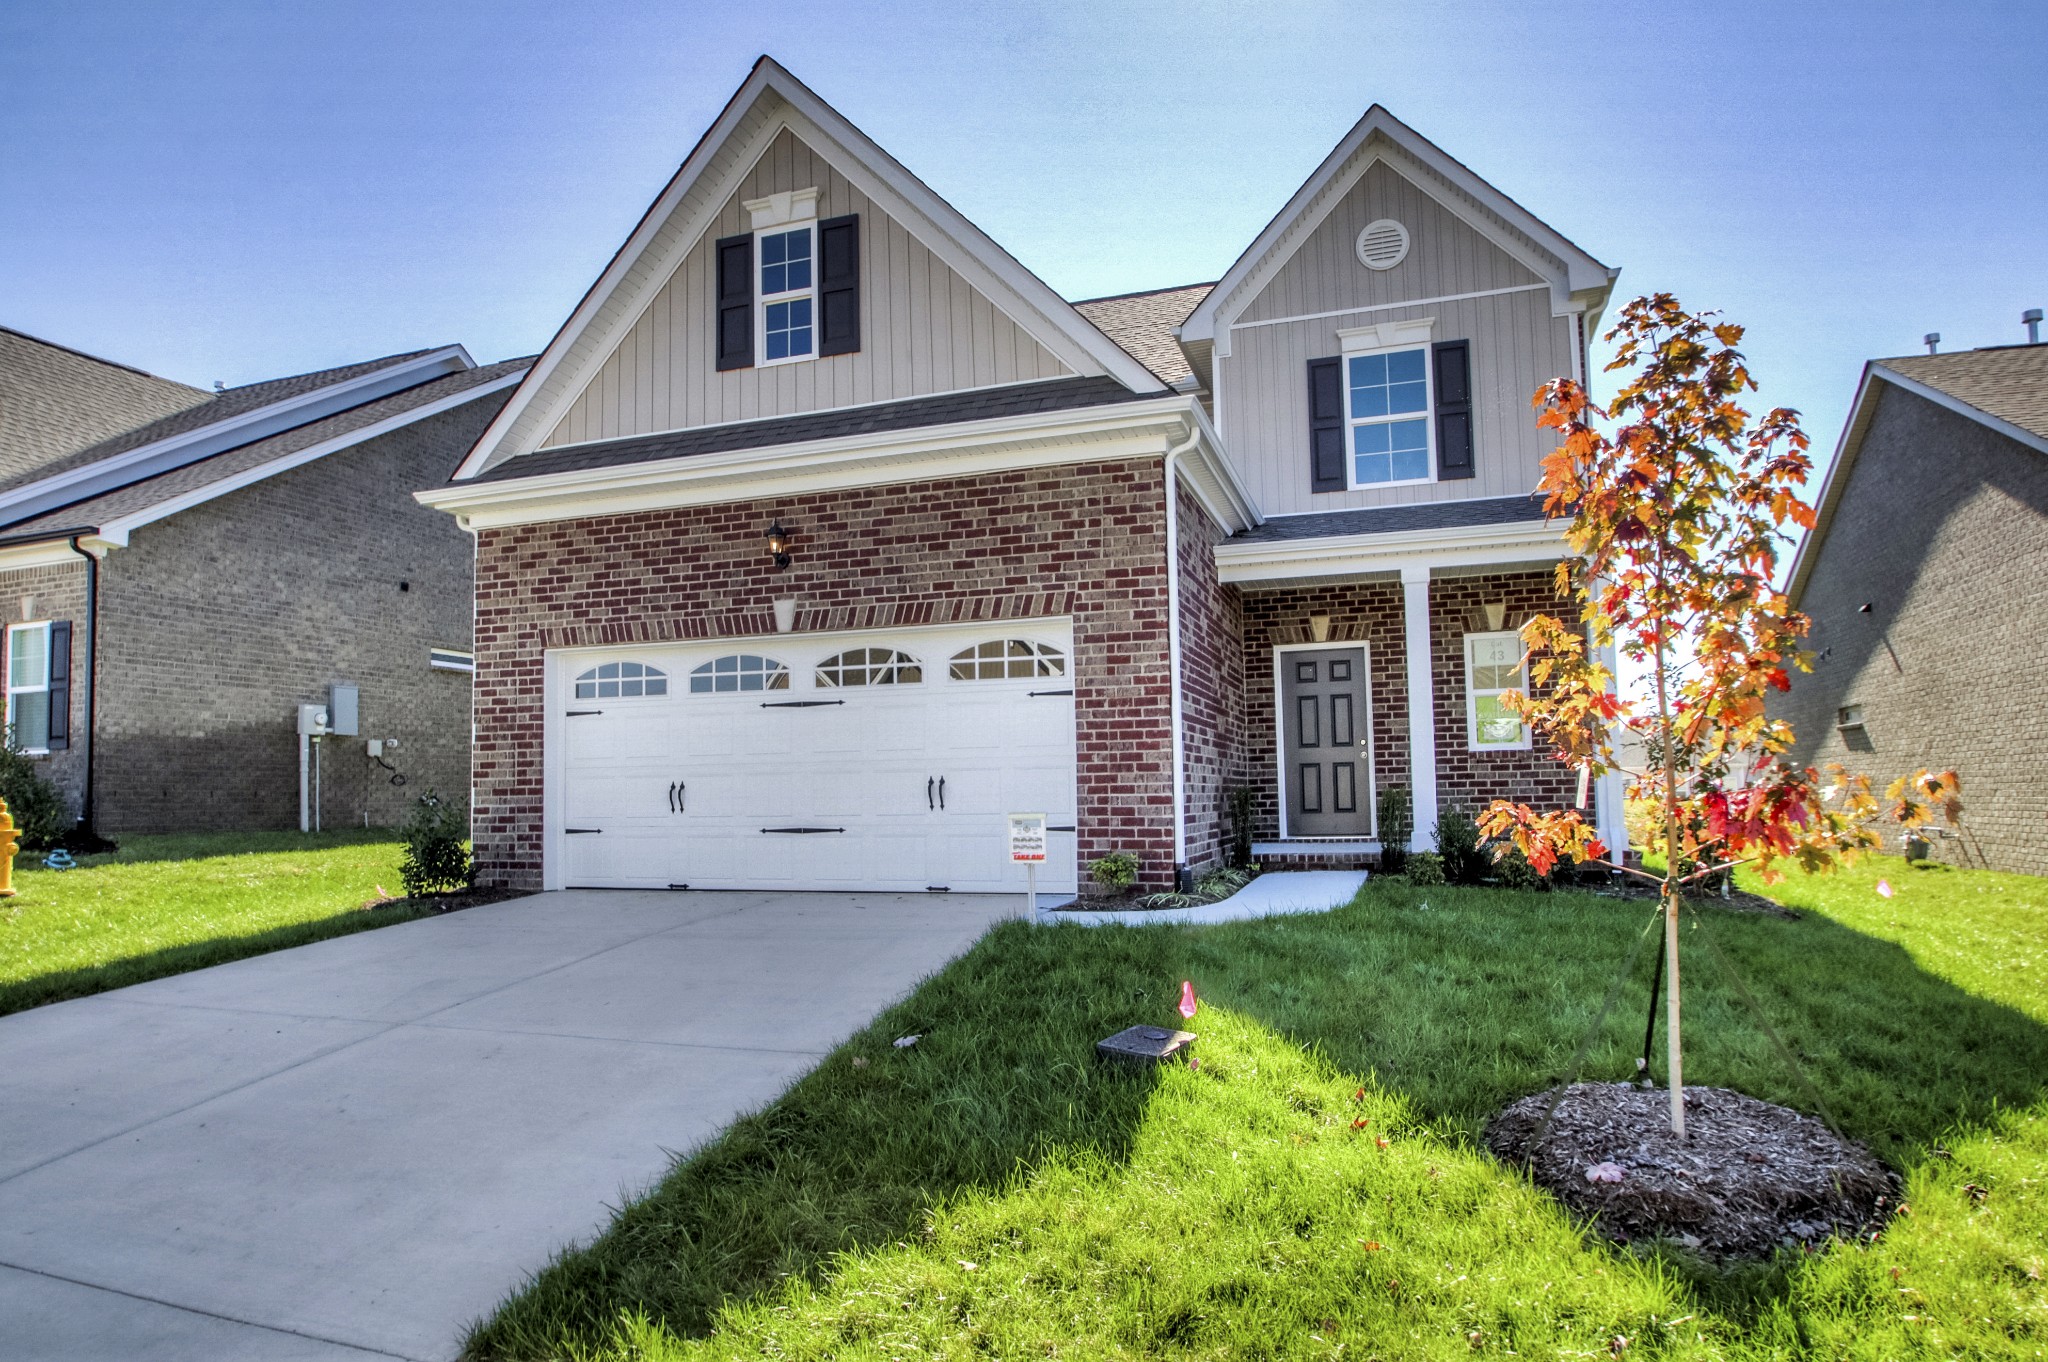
1577, 280
769, 101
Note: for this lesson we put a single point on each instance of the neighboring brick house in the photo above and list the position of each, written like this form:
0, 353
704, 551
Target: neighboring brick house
1926, 577
181, 571
824, 533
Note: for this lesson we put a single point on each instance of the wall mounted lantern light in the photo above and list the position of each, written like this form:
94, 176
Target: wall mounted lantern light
778, 545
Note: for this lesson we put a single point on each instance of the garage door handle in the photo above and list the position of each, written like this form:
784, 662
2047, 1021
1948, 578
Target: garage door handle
803, 829
942, 792
682, 797
928, 793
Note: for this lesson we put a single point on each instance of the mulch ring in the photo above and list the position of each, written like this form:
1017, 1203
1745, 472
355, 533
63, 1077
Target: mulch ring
448, 903
1749, 1178
1738, 901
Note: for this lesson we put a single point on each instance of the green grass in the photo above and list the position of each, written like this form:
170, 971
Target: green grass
994, 1192
163, 905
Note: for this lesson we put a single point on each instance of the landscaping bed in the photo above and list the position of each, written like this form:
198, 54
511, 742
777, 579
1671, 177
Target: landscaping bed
1319, 1185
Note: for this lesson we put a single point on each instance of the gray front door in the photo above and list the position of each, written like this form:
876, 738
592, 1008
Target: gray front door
1322, 708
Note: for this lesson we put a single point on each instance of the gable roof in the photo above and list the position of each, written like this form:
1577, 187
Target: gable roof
114, 513
2003, 387
1144, 324
55, 400
1577, 280
768, 101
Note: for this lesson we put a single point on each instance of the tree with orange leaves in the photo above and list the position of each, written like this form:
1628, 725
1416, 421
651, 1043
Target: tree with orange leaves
1676, 523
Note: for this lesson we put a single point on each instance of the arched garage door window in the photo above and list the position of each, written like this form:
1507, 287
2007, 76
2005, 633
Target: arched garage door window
614, 680
869, 667
1007, 659
738, 672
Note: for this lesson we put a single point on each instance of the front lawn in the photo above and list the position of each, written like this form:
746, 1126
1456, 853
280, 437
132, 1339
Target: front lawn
163, 905
994, 1192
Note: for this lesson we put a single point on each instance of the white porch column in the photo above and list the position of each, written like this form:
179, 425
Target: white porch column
1421, 706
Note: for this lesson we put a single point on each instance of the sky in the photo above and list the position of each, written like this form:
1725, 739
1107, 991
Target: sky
236, 191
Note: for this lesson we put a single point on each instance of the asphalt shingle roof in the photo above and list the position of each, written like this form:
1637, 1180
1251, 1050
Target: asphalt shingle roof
1143, 323
1420, 515
2009, 382
97, 510
983, 404
219, 407
55, 401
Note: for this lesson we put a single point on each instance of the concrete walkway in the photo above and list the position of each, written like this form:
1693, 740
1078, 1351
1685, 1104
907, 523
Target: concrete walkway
352, 1149
1275, 894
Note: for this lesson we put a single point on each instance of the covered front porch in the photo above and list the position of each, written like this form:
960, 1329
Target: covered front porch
1373, 650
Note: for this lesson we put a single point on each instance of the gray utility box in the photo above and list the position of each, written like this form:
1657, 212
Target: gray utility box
1144, 1045
341, 711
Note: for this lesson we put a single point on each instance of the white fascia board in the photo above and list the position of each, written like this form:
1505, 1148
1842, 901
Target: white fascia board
161, 456
1358, 554
1583, 275
50, 552
940, 227
115, 532
966, 449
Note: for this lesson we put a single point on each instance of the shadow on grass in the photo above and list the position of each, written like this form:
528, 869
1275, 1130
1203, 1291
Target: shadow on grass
1456, 1001
141, 848
58, 985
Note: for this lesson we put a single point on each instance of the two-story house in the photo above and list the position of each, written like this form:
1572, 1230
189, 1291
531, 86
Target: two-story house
824, 534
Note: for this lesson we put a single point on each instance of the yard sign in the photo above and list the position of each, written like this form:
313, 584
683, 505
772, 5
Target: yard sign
1027, 848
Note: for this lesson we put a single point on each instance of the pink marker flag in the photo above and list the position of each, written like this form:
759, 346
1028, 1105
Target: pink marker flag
1187, 998
1884, 887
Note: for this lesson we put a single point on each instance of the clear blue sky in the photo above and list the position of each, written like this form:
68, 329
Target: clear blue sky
242, 190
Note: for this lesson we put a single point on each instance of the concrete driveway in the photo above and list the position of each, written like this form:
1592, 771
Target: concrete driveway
355, 1148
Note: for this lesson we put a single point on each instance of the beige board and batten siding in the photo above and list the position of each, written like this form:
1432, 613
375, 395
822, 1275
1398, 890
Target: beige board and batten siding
924, 329
1517, 345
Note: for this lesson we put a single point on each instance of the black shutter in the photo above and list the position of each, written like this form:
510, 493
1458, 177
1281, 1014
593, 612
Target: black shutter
1453, 360
1325, 425
839, 285
60, 685
735, 256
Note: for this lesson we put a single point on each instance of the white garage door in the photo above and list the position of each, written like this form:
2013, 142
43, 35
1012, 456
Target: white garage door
869, 761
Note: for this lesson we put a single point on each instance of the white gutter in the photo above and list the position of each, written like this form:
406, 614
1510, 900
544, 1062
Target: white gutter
1169, 466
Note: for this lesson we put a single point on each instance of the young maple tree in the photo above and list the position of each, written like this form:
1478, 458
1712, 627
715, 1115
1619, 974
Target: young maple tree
1676, 522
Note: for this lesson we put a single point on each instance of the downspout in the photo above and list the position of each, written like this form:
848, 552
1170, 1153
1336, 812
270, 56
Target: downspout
1170, 464
92, 653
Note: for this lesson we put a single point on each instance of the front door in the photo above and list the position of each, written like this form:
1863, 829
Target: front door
1325, 744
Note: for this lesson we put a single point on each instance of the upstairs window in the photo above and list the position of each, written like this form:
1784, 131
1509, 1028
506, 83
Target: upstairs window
621, 680
738, 672
1388, 402
1493, 665
788, 295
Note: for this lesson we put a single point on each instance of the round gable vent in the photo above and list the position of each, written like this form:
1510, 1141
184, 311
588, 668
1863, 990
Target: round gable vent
1382, 245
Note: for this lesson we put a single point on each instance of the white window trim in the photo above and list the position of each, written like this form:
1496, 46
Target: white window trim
1385, 338
43, 627
1372, 789
1472, 694
762, 298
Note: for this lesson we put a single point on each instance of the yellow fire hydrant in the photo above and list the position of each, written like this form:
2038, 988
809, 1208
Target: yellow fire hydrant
9, 844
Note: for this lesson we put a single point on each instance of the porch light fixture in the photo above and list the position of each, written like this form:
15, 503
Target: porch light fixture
778, 545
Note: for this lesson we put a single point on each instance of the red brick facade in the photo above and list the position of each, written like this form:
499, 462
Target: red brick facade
1082, 540
1212, 686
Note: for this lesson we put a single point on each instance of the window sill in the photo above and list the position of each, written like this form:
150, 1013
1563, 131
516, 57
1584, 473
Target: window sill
1379, 486
788, 359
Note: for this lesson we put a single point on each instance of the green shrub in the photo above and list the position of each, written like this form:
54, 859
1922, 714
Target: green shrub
1457, 842
1513, 871
1425, 868
39, 811
437, 859
1396, 827
1116, 872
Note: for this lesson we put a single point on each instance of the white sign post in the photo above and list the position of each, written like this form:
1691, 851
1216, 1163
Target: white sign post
1027, 848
